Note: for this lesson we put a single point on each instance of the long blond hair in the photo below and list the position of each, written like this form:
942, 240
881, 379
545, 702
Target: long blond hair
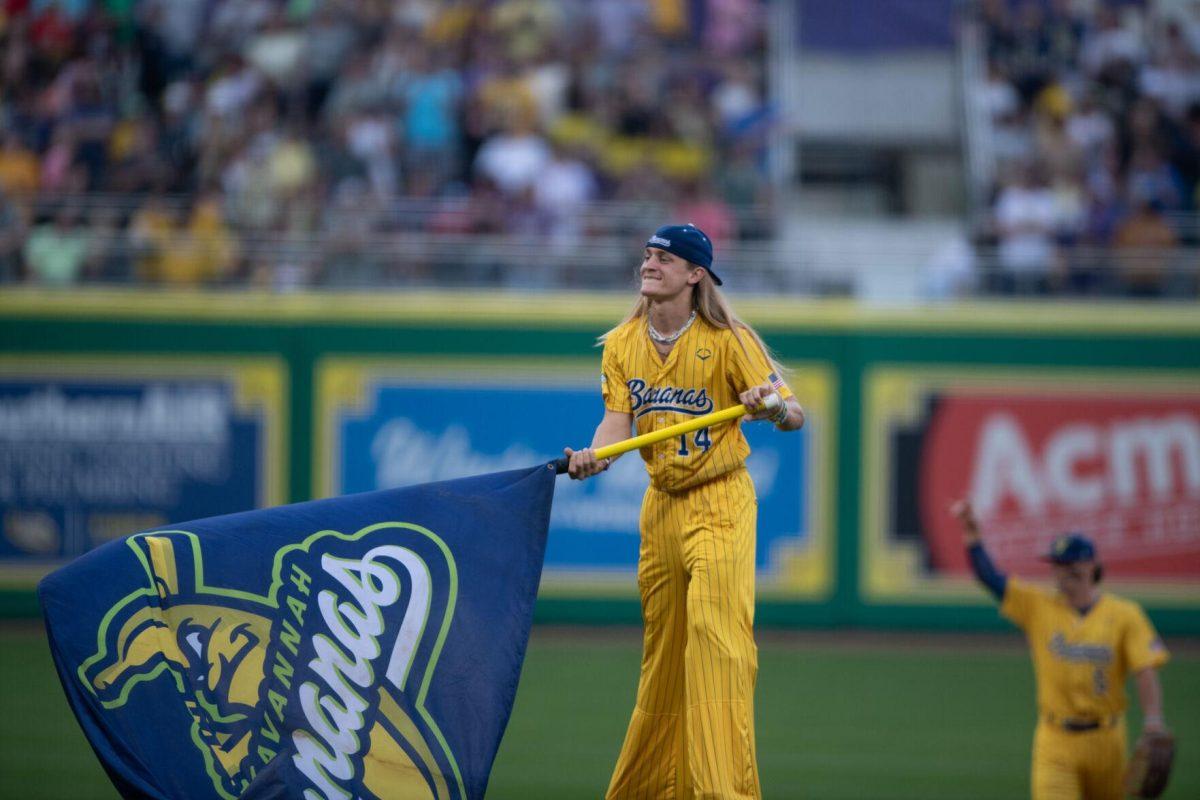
713, 308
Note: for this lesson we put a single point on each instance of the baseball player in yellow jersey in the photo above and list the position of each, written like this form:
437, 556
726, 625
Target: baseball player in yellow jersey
1085, 644
681, 352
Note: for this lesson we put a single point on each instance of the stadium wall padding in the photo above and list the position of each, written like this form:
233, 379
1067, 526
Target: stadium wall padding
930, 361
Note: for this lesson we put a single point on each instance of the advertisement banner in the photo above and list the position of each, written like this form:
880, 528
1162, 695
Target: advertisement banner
95, 449
396, 422
1112, 455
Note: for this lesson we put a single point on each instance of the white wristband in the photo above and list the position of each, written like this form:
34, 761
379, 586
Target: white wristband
780, 416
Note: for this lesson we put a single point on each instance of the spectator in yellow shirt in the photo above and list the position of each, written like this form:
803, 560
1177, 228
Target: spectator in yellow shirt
20, 172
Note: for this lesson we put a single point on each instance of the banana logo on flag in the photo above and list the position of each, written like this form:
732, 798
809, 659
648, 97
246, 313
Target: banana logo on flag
329, 669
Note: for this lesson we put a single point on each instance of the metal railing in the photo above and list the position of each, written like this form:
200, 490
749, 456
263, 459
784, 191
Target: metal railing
877, 270
423, 242
399, 213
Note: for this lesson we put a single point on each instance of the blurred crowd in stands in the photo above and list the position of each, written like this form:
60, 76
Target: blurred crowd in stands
1095, 110
289, 143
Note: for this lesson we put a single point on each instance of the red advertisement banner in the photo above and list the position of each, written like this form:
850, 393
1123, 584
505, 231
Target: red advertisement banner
1121, 469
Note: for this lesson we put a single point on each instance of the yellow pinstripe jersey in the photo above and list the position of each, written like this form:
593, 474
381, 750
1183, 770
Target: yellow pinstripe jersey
705, 371
1081, 662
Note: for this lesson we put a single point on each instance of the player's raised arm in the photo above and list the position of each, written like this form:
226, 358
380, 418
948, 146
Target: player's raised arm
981, 563
614, 427
965, 515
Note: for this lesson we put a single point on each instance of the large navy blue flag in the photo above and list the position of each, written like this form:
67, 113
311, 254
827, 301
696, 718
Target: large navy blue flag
367, 646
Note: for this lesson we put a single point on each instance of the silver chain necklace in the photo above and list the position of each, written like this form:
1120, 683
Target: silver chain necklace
663, 338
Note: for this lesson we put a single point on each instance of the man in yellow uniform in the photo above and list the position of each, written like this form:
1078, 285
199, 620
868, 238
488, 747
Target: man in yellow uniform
682, 353
1085, 644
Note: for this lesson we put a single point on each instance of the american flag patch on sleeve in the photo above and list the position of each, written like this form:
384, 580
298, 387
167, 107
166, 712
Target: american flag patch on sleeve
776, 381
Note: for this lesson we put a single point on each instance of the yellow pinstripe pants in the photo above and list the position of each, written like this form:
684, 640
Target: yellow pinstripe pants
692, 730
1089, 765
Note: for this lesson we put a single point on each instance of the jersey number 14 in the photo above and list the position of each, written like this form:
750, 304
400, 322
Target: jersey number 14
700, 439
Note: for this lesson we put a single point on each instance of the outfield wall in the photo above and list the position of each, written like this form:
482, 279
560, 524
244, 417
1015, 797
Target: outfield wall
123, 411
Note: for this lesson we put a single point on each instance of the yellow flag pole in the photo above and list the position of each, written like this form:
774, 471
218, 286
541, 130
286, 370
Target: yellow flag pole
653, 437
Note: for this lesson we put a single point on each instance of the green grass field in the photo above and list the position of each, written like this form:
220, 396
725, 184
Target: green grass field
860, 719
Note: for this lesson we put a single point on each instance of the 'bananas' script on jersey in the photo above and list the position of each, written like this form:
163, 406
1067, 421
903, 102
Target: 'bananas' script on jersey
685, 400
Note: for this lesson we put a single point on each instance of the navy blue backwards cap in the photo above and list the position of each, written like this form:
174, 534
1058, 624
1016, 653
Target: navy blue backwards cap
1071, 548
688, 242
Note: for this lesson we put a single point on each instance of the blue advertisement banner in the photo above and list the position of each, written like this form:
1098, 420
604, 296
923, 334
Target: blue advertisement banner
92, 451
390, 424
